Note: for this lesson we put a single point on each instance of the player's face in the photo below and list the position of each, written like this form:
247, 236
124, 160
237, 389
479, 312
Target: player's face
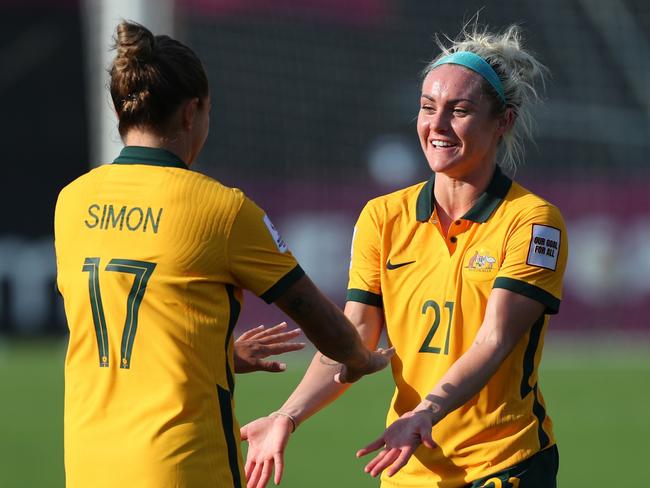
458, 130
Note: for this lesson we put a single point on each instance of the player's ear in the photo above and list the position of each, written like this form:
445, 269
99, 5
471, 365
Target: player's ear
189, 109
506, 121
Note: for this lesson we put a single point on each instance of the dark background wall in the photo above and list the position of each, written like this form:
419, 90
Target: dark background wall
314, 106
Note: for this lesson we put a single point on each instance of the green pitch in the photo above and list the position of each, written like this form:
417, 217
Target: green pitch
597, 396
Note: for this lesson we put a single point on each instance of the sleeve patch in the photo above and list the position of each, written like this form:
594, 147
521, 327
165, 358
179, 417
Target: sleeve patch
544, 247
277, 238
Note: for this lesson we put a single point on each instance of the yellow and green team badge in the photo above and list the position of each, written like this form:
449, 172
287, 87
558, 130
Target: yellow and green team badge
481, 264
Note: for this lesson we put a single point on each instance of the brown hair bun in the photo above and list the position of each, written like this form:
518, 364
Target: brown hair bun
151, 76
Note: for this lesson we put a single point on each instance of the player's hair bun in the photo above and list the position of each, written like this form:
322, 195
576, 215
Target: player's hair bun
151, 76
135, 45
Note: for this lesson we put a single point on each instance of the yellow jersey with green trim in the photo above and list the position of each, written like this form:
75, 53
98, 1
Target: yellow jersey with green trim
152, 259
434, 291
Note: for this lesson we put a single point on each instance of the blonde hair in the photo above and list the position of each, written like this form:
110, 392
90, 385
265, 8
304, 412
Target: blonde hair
519, 73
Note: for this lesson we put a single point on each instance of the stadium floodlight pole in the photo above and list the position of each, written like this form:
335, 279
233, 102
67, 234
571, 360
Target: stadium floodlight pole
100, 17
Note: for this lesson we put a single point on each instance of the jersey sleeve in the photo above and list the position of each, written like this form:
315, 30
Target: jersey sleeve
365, 260
535, 258
259, 258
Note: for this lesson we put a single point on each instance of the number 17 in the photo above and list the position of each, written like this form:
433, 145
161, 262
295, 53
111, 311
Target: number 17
142, 271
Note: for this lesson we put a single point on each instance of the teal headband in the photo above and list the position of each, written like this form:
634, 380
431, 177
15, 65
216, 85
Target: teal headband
477, 64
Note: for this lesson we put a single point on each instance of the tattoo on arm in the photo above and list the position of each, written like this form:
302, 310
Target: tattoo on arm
491, 337
435, 403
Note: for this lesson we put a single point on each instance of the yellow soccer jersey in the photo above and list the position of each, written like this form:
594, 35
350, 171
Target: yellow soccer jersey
434, 292
152, 259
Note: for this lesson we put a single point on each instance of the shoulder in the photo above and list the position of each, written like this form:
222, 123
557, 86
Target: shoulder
522, 208
82, 183
216, 188
400, 202
520, 200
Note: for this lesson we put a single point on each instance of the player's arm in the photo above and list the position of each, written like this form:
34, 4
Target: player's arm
507, 319
259, 260
318, 387
330, 331
268, 436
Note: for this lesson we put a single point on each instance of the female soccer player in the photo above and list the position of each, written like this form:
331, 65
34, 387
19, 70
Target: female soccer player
463, 271
152, 259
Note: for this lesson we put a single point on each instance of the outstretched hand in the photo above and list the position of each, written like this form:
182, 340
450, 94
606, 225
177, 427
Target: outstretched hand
399, 441
379, 359
267, 439
256, 344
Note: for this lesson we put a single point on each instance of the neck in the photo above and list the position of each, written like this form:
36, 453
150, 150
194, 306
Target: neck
455, 196
176, 145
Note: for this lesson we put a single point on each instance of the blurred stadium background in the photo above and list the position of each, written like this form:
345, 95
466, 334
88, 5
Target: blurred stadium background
314, 106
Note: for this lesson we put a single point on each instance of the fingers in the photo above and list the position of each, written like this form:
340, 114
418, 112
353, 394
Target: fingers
280, 337
400, 461
275, 330
390, 352
279, 467
248, 469
267, 469
271, 366
396, 458
243, 433
259, 474
261, 332
381, 358
380, 455
250, 333
380, 461
373, 446
273, 349
255, 475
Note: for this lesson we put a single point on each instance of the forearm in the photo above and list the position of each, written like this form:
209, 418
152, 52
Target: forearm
507, 318
466, 377
318, 388
323, 323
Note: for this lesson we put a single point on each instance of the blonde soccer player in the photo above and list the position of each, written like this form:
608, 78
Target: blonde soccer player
463, 272
152, 258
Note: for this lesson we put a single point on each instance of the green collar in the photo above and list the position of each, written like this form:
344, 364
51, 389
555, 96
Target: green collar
152, 156
482, 209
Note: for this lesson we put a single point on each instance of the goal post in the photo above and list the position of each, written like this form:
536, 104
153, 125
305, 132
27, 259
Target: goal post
99, 19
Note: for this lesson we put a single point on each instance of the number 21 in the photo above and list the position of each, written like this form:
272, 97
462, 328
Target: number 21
426, 345
142, 271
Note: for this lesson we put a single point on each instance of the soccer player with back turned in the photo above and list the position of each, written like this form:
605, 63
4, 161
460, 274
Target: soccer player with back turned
152, 259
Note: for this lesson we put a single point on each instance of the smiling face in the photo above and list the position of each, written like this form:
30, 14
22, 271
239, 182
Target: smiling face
458, 129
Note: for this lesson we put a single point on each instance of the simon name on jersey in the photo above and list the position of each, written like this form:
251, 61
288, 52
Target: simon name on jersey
134, 219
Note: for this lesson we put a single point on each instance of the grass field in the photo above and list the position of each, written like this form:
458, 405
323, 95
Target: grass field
598, 396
